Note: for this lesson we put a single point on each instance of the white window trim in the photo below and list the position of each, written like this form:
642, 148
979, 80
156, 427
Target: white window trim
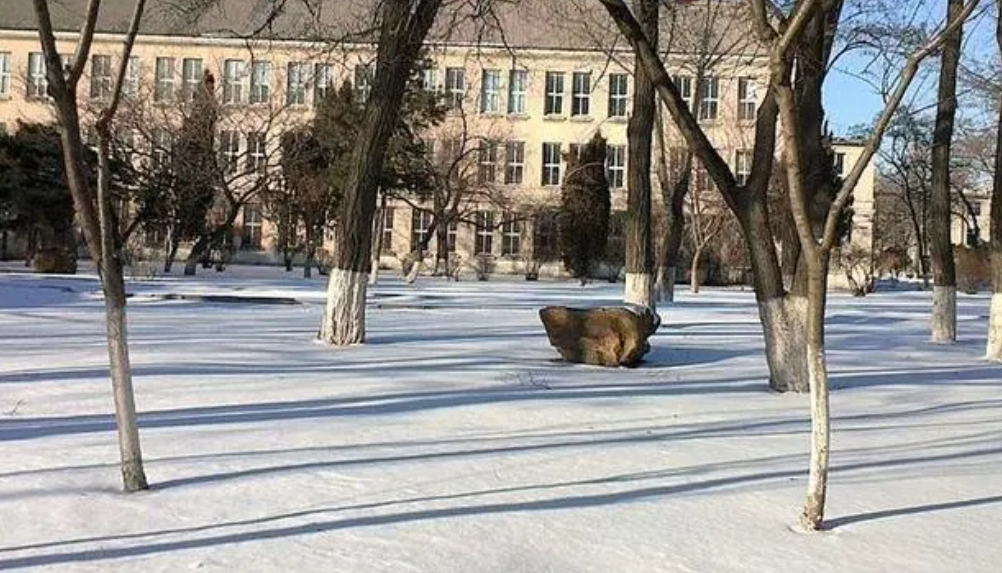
554, 93
581, 94
517, 90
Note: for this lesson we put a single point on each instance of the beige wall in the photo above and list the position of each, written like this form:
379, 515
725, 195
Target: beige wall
532, 127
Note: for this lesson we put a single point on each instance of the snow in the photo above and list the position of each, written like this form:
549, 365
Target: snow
454, 442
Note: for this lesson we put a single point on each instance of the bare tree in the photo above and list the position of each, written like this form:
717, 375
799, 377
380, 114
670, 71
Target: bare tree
639, 288
944, 306
404, 26
706, 220
806, 30
95, 211
994, 351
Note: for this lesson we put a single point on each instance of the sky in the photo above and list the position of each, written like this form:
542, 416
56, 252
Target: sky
851, 101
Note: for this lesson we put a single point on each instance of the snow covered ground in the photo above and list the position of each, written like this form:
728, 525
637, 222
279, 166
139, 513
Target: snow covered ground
453, 442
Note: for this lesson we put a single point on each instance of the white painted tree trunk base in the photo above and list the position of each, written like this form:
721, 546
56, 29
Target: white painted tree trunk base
784, 324
344, 314
944, 314
995, 328
639, 289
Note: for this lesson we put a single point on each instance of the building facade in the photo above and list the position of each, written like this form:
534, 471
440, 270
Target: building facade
524, 103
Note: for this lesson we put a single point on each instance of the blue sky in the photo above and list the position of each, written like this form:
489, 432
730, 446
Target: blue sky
851, 101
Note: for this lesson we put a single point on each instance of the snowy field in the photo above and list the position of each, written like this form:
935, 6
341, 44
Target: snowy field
453, 442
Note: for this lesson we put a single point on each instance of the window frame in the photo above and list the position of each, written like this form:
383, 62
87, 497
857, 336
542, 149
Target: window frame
553, 94
619, 100
709, 99
514, 163
551, 163
260, 82
490, 91
581, 94
455, 87
518, 84
296, 83
234, 72
615, 172
483, 243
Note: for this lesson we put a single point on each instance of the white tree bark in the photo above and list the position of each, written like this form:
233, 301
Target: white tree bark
995, 328
944, 314
344, 317
639, 289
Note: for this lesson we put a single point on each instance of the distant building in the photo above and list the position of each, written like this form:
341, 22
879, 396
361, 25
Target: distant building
530, 91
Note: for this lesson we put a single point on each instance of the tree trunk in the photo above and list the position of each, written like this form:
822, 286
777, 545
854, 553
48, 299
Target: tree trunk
673, 196
172, 245
664, 286
995, 233
783, 316
694, 281
639, 289
113, 285
944, 310
817, 483
404, 26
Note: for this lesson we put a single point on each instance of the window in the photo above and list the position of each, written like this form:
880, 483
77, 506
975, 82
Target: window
747, 99
517, 80
257, 152
323, 80
455, 87
615, 165
162, 145
450, 236
295, 88
554, 102
386, 242
229, 149
490, 91
38, 85
191, 77
163, 81
100, 77
251, 226
684, 85
233, 81
4, 73
701, 177
574, 150
580, 94
511, 234
487, 162
131, 86
839, 163
484, 244
742, 165
420, 223
709, 91
429, 79
551, 164
363, 82
260, 83
618, 94
514, 162
544, 236
975, 208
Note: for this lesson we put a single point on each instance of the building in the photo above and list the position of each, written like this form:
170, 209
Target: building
546, 77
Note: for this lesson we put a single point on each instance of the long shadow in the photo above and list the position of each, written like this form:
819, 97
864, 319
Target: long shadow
550, 504
897, 512
400, 403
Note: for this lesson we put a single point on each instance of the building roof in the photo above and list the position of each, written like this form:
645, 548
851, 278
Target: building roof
547, 24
